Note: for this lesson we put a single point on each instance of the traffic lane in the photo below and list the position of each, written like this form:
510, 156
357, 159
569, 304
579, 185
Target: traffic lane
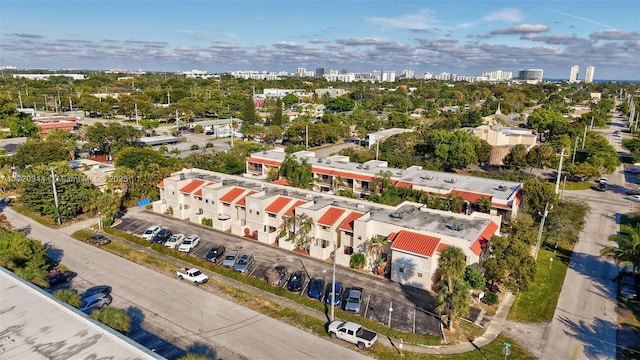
195, 315
383, 291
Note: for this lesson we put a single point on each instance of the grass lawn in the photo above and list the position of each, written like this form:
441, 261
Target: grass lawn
539, 302
585, 185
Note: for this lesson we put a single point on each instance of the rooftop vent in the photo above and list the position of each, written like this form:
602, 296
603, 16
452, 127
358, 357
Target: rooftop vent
182, 176
308, 196
359, 166
319, 160
366, 167
334, 203
395, 215
502, 188
456, 227
225, 182
285, 193
265, 152
328, 161
360, 206
316, 199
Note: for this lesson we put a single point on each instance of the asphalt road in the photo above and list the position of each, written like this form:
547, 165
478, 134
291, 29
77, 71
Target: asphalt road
181, 313
412, 308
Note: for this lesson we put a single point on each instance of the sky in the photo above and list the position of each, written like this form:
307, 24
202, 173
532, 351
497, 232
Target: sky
465, 37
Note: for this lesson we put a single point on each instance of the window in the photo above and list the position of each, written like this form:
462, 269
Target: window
199, 198
257, 212
325, 228
419, 274
359, 237
401, 270
272, 215
226, 205
348, 250
250, 211
348, 233
206, 201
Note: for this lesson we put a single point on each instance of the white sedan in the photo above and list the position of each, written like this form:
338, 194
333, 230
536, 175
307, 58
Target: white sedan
634, 198
174, 241
189, 243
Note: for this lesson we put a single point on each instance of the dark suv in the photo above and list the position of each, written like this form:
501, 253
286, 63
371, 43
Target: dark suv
215, 253
161, 236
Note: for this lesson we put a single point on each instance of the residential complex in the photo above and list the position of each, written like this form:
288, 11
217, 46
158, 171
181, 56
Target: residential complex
413, 235
573, 76
588, 75
503, 139
530, 74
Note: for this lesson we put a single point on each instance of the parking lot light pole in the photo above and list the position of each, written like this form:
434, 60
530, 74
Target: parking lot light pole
333, 284
390, 311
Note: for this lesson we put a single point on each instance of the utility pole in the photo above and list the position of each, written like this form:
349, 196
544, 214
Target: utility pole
136, 109
575, 148
20, 98
562, 155
547, 208
306, 130
333, 283
584, 137
55, 195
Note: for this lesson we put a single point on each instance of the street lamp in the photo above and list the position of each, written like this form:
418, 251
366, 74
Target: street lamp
55, 194
333, 284
544, 215
390, 311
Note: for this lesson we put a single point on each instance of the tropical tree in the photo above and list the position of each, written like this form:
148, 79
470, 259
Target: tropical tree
452, 265
628, 249
452, 299
511, 263
484, 204
67, 296
357, 261
25, 257
297, 229
374, 247
116, 319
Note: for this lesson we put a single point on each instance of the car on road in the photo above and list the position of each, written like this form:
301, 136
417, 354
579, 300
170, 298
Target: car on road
243, 264
633, 192
99, 289
352, 333
98, 239
601, 187
161, 236
316, 287
214, 253
58, 277
275, 275
603, 180
96, 301
354, 300
333, 294
150, 232
634, 198
189, 243
296, 281
230, 260
174, 241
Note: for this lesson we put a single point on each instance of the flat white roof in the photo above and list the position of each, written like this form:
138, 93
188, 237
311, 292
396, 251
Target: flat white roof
36, 326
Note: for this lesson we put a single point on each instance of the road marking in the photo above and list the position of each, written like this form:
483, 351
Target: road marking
600, 224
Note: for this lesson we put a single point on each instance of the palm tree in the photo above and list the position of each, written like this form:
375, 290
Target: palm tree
381, 182
374, 248
452, 265
628, 249
452, 299
484, 204
296, 229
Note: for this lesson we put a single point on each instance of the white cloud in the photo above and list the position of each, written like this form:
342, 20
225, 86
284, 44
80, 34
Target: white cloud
423, 20
508, 15
521, 29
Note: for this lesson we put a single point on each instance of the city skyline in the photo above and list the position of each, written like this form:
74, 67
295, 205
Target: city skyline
465, 38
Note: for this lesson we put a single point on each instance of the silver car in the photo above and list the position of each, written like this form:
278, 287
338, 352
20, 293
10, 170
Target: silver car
96, 301
354, 299
244, 263
230, 260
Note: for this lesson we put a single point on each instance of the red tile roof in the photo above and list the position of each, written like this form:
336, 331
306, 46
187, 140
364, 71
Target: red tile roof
400, 183
331, 216
484, 238
289, 211
342, 174
347, 223
232, 194
278, 204
415, 243
199, 191
191, 186
265, 162
468, 195
441, 247
243, 201
501, 206
161, 184
282, 181
392, 236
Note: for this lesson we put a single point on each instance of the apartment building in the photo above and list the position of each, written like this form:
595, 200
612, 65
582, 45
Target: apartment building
411, 235
336, 173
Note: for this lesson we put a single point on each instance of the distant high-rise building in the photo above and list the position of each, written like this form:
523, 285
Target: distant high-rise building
320, 72
573, 76
530, 74
588, 75
388, 75
407, 74
498, 75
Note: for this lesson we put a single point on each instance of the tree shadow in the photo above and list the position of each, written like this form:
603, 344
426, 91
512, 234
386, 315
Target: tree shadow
591, 336
54, 253
137, 318
596, 269
202, 349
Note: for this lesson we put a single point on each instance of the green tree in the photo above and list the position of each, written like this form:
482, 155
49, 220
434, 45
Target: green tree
298, 174
67, 296
452, 265
536, 196
36, 152
357, 261
297, 229
511, 264
73, 189
116, 319
248, 113
22, 125
131, 157
452, 299
517, 157
474, 278
25, 257
111, 138
628, 246
542, 119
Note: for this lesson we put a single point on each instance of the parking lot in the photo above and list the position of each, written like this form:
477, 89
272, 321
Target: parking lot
411, 307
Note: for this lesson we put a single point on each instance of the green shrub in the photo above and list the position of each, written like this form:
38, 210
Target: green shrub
357, 261
69, 297
474, 278
207, 222
195, 147
490, 298
208, 145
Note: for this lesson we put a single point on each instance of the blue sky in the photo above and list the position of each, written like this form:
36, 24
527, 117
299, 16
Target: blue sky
464, 37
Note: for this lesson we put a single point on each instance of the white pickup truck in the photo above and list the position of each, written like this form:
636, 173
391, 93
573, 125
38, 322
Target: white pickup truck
194, 275
352, 333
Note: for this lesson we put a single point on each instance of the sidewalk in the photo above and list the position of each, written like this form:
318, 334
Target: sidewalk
492, 331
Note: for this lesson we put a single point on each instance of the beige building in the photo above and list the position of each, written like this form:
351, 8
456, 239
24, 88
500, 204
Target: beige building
256, 210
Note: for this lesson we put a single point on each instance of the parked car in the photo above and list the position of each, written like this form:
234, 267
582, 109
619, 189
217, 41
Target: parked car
96, 301
100, 289
189, 243
296, 281
354, 300
316, 286
633, 192
633, 170
98, 240
275, 275
230, 260
214, 253
57, 277
603, 180
150, 232
243, 264
174, 241
352, 333
601, 187
161, 236
334, 291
